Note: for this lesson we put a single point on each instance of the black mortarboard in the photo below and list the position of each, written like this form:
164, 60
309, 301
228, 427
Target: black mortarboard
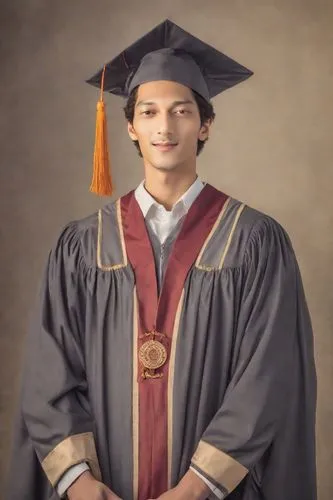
167, 52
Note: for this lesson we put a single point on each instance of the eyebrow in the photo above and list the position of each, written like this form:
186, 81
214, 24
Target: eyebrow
174, 104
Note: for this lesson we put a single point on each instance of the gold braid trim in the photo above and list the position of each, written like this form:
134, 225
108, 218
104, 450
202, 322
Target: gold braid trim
135, 399
171, 382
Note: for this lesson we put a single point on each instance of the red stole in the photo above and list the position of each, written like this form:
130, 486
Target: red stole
159, 312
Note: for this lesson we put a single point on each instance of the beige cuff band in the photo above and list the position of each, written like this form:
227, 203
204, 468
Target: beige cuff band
219, 466
71, 451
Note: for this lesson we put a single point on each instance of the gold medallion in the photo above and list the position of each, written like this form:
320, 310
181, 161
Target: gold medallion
152, 354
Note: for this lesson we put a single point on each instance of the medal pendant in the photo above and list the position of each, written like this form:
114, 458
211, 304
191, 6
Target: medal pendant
152, 355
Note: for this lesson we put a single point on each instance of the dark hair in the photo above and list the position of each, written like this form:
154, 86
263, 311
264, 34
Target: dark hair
206, 112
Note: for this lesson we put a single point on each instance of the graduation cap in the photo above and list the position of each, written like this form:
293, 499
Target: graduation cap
167, 52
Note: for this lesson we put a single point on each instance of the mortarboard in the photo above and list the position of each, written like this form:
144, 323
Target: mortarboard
167, 52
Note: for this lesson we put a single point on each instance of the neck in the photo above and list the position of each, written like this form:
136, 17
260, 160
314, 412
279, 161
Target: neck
167, 188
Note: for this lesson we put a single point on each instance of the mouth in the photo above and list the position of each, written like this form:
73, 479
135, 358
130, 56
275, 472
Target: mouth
166, 146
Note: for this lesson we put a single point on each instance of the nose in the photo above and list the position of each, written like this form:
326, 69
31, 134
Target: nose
164, 125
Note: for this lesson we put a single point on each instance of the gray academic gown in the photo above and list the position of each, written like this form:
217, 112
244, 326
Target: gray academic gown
236, 396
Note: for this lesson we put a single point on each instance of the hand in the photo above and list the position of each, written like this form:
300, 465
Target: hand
86, 487
174, 494
191, 487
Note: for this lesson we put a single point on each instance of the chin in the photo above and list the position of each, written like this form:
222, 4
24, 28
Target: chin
165, 167
167, 164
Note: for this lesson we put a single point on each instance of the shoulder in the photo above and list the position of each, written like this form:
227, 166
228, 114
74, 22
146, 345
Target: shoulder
244, 219
263, 236
245, 230
78, 239
264, 227
257, 224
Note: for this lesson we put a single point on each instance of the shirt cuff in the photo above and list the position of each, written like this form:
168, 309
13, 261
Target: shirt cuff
217, 492
70, 476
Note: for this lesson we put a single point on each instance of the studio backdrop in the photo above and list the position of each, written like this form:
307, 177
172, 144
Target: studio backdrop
271, 147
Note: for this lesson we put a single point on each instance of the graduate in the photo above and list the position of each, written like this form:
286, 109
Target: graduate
171, 354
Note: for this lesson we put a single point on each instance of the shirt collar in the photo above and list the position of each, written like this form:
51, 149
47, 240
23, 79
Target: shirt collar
146, 201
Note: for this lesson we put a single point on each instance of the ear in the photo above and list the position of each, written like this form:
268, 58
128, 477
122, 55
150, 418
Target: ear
131, 131
204, 131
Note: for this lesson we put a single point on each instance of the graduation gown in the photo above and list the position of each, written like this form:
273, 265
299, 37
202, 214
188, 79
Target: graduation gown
235, 398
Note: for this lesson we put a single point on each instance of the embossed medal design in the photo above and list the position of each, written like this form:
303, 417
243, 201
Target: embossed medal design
152, 355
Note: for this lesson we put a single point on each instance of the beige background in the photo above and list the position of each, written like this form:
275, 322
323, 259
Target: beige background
271, 145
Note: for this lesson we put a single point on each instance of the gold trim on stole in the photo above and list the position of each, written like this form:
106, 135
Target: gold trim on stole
121, 232
231, 234
100, 239
209, 237
71, 451
171, 383
229, 240
135, 399
219, 466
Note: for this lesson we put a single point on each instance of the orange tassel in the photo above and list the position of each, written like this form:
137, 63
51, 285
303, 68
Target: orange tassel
101, 183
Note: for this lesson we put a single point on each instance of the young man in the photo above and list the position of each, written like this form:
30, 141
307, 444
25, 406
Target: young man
171, 355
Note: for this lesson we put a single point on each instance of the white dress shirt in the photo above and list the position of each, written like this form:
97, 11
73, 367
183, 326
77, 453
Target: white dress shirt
162, 222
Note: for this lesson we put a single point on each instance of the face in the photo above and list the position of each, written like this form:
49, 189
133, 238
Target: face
167, 125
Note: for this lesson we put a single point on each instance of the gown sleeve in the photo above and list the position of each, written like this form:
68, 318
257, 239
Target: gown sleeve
54, 401
275, 346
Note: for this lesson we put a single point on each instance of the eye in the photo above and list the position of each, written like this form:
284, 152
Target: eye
146, 112
181, 111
